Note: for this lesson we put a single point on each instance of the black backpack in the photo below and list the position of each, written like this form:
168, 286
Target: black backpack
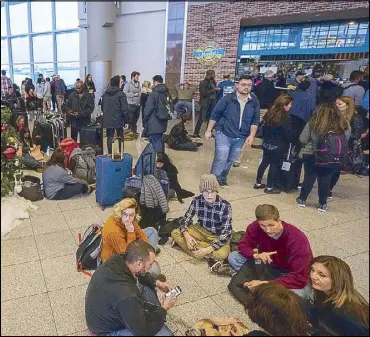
166, 229
89, 248
332, 151
164, 108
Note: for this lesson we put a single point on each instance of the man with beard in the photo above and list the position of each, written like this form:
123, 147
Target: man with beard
121, 298
132, 90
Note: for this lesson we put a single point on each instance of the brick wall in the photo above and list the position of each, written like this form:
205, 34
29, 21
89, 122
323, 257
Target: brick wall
226, 19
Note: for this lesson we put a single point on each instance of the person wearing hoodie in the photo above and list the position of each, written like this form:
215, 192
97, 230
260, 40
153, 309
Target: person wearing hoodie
79, 107
115, 111
156, 114
132, 91
121, 298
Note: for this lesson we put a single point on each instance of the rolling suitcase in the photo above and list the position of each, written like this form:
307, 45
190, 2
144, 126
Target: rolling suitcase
290, 173
111, 175
92, 135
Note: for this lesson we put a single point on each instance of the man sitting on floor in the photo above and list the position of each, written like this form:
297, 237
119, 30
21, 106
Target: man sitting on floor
121, 298
283, 253
210, 239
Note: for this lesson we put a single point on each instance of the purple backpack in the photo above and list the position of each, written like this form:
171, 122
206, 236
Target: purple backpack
332, 151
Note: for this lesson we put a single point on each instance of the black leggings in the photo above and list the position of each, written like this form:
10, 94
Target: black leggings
311, 173
273, 159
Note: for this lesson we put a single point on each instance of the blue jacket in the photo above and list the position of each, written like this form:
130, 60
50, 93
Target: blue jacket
365, 101
303, 104
227, 116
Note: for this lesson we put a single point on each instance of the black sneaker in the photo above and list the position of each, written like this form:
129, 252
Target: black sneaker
272, 191
300, 202
330, 195
259, 186
224, 184
323, 208
222, 269
211, 262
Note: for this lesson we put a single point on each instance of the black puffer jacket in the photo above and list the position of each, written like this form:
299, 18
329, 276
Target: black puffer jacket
357, 127
152, 124
115, 108
83, 105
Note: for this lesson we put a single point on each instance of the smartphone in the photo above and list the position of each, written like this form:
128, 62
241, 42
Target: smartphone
175, 291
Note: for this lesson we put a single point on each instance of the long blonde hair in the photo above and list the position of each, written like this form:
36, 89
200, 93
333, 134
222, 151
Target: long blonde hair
119, 207
351, 107
327, 117
342, 290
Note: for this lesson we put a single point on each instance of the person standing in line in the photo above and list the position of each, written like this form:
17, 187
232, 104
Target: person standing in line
236, 117
156, 114
60, 91
47, 95
280, 79
115, 111
133, 93
39, 91
207, 91
89, 85
122, 82
6, 83
353, 88
265, 91
53, 95
80, 106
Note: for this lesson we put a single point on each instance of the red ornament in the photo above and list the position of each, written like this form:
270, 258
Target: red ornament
10, 152
4, 127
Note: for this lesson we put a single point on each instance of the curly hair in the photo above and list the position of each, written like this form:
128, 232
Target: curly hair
119, 207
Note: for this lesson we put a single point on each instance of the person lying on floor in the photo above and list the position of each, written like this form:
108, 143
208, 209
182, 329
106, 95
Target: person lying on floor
210, 238
163, 162
178, 138
121, 298
283, 250
122, 228
58, 183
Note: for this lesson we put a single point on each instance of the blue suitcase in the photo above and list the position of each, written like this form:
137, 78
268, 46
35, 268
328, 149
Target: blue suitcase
111, 175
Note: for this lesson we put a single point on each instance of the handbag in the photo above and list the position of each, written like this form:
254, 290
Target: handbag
37, 153
31, 191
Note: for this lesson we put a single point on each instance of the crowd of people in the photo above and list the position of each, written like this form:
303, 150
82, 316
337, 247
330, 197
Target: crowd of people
284, 289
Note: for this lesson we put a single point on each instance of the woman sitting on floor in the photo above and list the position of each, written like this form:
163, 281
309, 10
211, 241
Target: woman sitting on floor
338, 308
58, 183
122, 228
26, 145
163, 162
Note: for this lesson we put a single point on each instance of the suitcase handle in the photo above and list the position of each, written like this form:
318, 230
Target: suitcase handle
113, 145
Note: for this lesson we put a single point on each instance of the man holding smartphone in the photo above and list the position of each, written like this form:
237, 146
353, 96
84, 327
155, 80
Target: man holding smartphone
210, 239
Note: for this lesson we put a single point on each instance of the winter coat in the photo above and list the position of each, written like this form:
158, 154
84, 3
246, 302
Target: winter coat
178, 135
207, 92
39, 90
266, 93
303, 104
83, 105
90, 87
133, 92
279, 135
60, 87
357, 127
115, 108
152, 124
355, 91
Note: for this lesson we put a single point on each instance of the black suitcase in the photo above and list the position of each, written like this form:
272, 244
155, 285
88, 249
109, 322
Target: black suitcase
92, 135
42, 134
290, 174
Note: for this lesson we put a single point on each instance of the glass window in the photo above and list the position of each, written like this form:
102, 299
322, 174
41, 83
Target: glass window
43, 48
20, 50
68, 47
47, 69
66, 14
4, 51
41, 16
18, 18
69, 71
4, 30
20, 72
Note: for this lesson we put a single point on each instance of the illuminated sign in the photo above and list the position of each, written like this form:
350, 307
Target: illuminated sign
209, 54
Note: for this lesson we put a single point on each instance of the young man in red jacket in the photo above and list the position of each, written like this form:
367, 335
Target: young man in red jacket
283, 250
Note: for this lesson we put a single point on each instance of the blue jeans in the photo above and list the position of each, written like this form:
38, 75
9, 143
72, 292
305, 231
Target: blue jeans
152, 236
30, 162
70, 190
110, 133
227, 151
157, 142
183, 105
147, 295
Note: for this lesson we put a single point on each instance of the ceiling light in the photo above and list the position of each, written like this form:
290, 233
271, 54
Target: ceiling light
351, 23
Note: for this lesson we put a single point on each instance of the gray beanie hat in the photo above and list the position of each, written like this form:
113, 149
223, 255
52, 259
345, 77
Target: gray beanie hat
208, 182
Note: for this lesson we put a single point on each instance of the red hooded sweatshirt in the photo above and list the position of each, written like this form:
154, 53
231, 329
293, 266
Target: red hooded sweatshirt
293, 252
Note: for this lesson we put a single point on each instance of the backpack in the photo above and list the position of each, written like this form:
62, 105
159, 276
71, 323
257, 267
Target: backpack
89, 248
166, 229
332, 151
235, 238
164, 111
31, 188
82, 164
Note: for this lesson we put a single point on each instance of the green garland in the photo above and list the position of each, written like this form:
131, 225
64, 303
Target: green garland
9, 167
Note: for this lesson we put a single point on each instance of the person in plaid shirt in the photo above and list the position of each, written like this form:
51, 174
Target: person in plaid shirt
210, 238
6, 84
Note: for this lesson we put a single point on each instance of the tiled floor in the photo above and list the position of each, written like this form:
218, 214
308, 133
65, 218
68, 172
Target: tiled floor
43, 294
